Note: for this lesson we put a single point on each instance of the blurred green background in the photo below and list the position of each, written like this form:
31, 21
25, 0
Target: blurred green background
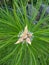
10, 2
